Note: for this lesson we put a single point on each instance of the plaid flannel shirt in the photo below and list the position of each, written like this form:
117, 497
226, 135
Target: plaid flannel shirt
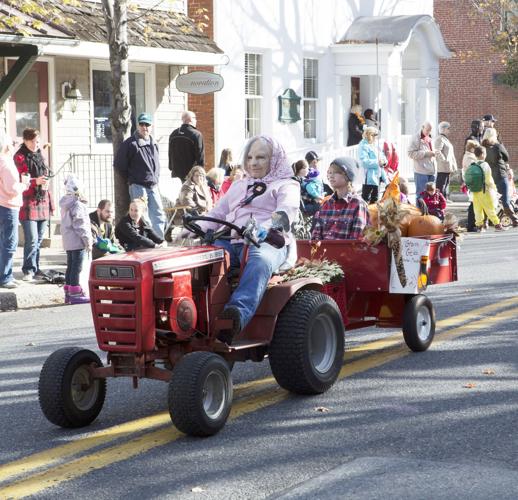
341, 218
32, 208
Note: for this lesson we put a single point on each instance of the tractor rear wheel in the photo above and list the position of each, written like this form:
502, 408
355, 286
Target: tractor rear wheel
306, 352
69, 396
200, 394
419, 323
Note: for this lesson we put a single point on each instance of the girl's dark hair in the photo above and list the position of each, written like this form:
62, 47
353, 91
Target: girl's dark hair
226, 157
368, 113
299, 165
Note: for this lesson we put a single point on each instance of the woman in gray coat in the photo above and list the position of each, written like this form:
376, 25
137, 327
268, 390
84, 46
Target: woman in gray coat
446, 162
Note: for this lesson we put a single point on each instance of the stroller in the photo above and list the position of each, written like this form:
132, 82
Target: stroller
505, 220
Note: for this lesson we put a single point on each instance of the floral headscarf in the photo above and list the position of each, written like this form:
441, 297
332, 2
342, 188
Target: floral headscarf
280, 168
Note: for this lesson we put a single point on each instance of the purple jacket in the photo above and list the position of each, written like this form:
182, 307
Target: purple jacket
75, 223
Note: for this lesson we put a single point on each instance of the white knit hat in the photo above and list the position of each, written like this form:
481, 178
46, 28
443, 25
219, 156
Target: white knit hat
72, 184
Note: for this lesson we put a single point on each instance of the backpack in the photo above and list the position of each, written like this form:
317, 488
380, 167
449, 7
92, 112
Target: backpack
474, 178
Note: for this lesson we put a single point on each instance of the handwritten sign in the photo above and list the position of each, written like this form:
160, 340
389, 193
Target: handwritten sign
412, 249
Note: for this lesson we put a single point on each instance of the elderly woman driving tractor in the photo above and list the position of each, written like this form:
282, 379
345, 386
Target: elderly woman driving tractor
269, 195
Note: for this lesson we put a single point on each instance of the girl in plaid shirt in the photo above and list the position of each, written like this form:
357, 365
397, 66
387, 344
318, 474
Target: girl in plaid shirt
344, 215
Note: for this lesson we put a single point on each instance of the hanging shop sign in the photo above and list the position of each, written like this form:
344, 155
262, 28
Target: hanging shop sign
199, 82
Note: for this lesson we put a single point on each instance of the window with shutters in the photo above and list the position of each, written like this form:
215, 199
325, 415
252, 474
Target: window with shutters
253, 94
310, 98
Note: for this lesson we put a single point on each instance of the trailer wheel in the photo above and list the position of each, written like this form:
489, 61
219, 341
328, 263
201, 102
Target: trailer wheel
200, 394
505, 220
419, 323
68, 395
306, 352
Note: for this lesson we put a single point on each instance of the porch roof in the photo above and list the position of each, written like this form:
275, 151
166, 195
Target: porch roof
395, 30
159, 29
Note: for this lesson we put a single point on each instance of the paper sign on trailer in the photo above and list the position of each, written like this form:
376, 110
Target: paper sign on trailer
412, 249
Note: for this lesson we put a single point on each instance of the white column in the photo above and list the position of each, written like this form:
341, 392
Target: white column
391, 107
341, 108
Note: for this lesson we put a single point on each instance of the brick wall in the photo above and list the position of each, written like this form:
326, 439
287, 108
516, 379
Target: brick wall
467, 90
203, 105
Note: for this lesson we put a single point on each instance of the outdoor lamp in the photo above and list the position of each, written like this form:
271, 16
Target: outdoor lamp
69, 91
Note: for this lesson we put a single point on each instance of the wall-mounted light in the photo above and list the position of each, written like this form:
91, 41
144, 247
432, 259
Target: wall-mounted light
70, 92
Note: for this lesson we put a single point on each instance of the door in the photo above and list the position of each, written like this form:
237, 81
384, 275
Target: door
29, 106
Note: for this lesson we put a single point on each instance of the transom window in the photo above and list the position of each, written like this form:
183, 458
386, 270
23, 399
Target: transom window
310, 98
253, 94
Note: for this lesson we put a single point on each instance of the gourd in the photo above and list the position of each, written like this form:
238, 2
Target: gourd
425, 225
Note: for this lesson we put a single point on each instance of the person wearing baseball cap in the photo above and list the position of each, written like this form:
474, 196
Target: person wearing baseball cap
489, 121
345, 214
138, 161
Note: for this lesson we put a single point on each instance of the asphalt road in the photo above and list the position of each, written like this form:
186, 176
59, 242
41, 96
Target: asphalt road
438, 424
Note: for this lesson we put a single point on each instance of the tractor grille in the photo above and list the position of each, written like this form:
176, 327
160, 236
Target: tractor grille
116, 318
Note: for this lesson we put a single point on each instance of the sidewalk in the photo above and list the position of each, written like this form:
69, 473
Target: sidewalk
34, 295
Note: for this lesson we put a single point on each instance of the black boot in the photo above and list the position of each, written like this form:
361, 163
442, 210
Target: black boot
230, 312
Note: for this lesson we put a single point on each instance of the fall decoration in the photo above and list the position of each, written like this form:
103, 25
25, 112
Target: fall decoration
327, 271
425, 225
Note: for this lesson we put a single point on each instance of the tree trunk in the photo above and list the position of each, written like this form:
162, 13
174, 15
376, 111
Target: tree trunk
116, 25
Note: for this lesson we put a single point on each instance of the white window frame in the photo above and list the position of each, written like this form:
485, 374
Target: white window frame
150, 102
307, 99
258, 98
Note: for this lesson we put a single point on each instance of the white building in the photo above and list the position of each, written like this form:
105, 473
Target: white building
381, 54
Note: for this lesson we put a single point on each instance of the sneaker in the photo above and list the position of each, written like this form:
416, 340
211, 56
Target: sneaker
481, 229
10, 285
499, 227
28, 277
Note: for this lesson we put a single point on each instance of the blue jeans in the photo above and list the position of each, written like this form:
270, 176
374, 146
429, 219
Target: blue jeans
420, 183
74, 266
33, 232
261, 264
8, 242
154, 206
503, 188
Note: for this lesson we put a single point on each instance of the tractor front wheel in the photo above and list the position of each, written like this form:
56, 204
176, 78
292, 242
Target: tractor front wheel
306, 353
200, 394
69, 395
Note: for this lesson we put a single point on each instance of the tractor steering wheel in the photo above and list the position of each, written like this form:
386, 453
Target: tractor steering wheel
189, 222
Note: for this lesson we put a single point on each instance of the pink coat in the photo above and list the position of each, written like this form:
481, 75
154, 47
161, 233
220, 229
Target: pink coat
11, 188
282, 194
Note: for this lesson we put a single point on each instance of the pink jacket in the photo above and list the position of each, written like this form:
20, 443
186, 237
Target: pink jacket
11, 188
282, 194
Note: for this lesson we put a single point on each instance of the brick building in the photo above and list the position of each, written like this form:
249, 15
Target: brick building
467, 81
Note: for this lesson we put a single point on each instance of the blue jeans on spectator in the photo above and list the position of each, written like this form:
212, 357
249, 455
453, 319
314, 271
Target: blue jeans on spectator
8, 242
502, 187
155, 215
420, 183
33, 232
74, 266
262, 262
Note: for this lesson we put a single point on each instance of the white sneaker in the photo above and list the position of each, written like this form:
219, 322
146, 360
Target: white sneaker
9, 284
28, 277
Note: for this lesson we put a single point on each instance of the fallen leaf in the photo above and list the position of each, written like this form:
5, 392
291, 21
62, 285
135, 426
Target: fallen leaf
197, 489
30, 344
488, 371
468, 290
470, 385
322, 409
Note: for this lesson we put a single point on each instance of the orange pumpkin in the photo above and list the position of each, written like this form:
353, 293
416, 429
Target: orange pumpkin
425, 225
373, 214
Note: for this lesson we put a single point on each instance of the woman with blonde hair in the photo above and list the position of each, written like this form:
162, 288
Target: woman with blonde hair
133, 232
372, 163
498, 159
195, 192
355, 125
215, 177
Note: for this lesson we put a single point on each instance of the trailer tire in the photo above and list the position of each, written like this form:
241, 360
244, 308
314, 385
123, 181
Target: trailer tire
69, 397
200, 394
306, 352
419, 323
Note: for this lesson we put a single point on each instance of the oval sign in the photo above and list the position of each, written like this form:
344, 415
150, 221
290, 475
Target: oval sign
199, 82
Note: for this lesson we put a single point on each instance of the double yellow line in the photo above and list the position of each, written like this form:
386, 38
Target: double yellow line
156, 430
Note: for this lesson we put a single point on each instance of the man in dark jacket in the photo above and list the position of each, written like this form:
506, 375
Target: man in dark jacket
186, 148
138, 161
103, 235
